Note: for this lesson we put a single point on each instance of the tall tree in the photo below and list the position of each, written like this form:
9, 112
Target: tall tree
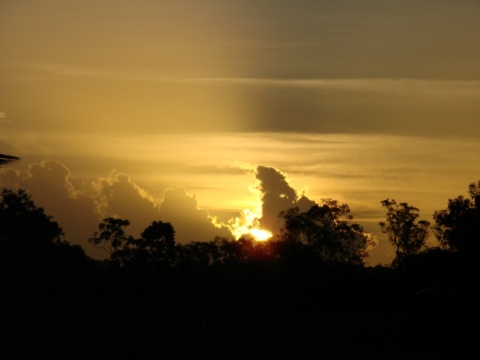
157, 243
327, 227
458, 226
402, 228
23, 225
112, 238
31, 240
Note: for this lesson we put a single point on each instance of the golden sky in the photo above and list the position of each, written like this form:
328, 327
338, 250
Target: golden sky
184, 111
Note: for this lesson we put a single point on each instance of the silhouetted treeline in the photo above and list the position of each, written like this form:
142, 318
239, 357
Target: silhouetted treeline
316, 247
314, 269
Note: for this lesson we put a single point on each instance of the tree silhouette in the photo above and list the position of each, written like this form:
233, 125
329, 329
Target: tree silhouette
407, 235
328, 229
135, 302
23, 225
198, 255
32, 245
112, 238
157, 243
458, 226
226, 251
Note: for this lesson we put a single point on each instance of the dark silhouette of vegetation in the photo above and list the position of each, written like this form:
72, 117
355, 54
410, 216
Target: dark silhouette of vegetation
402, 228
112, 238
157, 242
458, 226
155, 246
328, 229
37, 265
305, 294
25, 226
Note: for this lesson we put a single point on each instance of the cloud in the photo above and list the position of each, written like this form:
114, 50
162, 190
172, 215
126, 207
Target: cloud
323, 106
119, 196
274, 194
239, 66
191, 222
79, 205
402, 86
365, 105
277, 195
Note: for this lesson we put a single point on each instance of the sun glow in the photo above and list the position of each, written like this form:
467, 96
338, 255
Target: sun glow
248, 224
260, 234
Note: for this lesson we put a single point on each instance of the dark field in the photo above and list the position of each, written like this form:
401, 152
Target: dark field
247, 325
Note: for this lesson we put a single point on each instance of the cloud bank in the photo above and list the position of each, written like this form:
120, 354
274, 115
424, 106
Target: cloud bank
79, 205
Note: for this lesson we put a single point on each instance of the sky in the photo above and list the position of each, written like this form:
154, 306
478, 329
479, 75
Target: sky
216, 115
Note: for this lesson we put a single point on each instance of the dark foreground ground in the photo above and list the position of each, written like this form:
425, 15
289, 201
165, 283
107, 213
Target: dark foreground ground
146, 335
252, 331
239, 317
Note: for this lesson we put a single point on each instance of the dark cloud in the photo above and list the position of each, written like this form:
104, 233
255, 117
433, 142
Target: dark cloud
277, 195
363, 106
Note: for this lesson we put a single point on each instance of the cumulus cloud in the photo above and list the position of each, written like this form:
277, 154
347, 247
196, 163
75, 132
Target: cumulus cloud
79, 206
277, 195
119, 196
191, 222
274, 195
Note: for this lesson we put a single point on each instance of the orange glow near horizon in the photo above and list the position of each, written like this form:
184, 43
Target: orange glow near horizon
260, 234
248, 224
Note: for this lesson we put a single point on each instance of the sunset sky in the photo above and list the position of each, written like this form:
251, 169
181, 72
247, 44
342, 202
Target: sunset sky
208, 112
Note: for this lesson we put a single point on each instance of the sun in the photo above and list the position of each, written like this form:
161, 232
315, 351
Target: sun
248, 224
261, 235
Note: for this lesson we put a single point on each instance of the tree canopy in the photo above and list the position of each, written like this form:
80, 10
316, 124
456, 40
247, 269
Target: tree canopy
32, 243
458, 226
402, 228
24, 225
328, 229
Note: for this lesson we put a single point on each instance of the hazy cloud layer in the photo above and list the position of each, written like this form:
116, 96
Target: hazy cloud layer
357, 106
287, 38
396, 67
355, 100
